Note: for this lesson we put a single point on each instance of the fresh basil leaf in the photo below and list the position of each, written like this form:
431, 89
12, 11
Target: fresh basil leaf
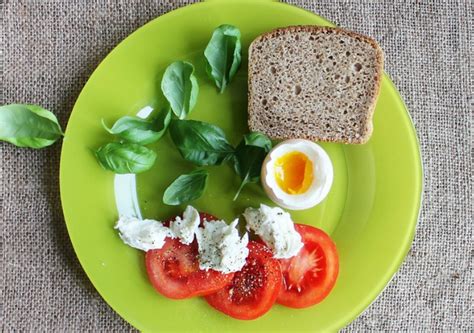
141, 131
132, 129
258, 139
200, 143
124, 158
223, 55
180, 88
162, 121
28, 126
186, 188
249, 157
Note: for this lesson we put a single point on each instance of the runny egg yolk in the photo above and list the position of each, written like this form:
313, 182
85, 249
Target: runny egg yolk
294, 172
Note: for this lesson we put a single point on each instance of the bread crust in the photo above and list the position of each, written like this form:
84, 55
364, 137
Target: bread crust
364, 136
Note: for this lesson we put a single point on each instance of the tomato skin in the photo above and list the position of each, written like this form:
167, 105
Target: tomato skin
174, 270
311, 275
254, 289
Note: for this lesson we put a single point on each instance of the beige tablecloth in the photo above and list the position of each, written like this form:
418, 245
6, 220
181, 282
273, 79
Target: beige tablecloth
49, 49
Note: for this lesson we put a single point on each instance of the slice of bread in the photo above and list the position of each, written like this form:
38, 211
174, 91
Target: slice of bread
315, 83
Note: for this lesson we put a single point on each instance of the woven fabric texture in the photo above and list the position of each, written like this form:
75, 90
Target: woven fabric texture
50, 48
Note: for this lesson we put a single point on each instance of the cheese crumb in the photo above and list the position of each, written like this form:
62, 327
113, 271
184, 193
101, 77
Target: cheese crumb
221, 248
185, 228
276, 229
142, 234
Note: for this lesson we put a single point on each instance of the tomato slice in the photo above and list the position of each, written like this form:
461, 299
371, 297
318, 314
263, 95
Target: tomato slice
311, 274
174, 270
254, 289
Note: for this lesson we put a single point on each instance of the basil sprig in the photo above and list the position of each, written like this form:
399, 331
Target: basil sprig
205, 144
186, 188
249, 156
180, 88
223, 55
28, 126
125, 158
199, 142
141, 131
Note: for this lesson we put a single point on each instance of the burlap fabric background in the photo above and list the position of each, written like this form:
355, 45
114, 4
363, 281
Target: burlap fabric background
49, 49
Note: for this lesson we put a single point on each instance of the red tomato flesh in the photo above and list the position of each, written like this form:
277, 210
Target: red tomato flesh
254, 289
309, 276
174, 270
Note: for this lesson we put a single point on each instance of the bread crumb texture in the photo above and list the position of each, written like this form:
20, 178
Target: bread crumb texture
315, 83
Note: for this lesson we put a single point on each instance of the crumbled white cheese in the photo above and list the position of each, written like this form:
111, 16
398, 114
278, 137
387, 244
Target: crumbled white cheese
221, 248
219, 245
142, 234
185, 228
276, 229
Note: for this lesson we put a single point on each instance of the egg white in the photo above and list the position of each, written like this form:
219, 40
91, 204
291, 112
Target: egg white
322, 175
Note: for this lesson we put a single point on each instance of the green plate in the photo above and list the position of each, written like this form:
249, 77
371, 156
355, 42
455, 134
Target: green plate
371, 211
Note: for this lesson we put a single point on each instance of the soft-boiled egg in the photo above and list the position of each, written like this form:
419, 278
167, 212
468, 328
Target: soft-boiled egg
297, 174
